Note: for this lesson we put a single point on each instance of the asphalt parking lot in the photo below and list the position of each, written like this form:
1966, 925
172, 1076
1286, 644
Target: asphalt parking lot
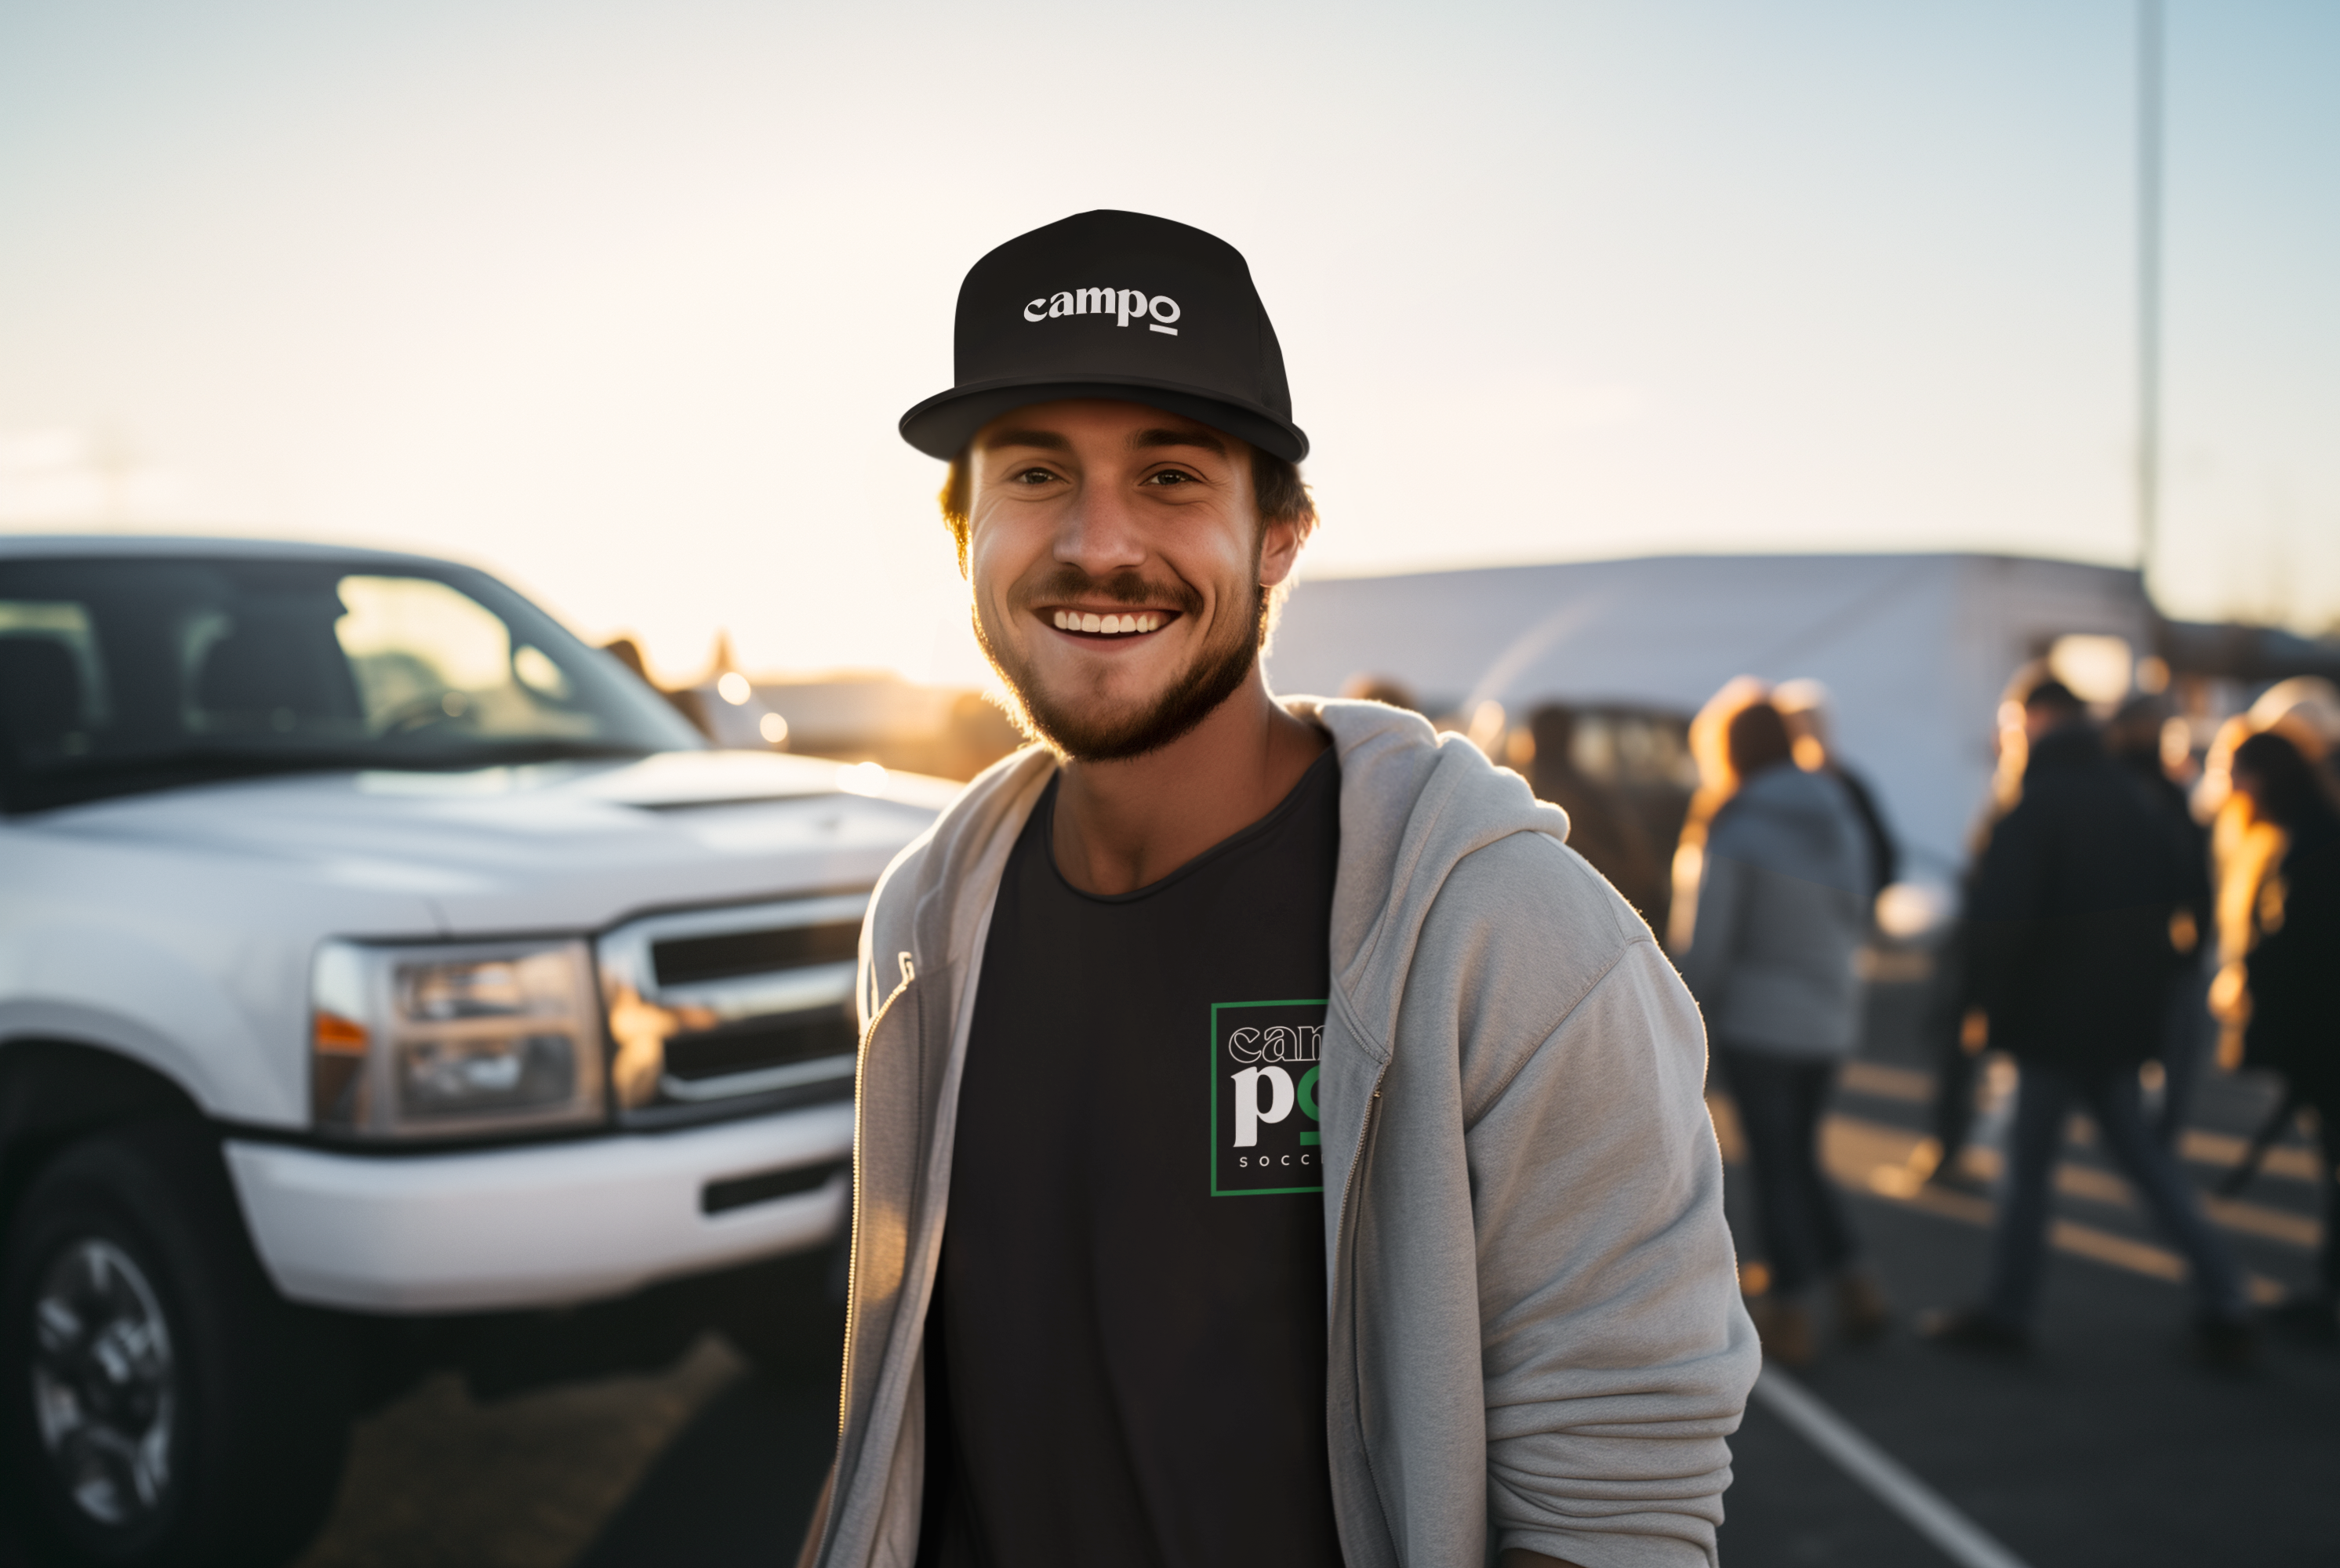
710, 1462
2109, 1446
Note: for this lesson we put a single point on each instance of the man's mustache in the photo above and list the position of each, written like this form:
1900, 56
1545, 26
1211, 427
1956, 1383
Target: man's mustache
1067, 582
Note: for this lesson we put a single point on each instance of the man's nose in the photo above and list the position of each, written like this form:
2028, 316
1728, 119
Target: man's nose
1099, 534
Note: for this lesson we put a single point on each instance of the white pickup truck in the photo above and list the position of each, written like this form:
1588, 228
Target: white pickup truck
385, 977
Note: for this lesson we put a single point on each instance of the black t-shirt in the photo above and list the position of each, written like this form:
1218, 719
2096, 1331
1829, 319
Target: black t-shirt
1126, 1355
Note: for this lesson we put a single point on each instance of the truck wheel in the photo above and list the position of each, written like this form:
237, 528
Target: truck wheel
163, 1404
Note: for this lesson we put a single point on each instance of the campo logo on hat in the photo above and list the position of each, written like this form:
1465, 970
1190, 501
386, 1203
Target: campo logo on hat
1037, 322
1106, 302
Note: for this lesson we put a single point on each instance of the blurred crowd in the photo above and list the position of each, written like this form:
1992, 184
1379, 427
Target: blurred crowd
2134, 913
2130, 913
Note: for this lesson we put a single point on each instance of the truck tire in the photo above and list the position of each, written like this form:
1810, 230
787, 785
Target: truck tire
163, 1404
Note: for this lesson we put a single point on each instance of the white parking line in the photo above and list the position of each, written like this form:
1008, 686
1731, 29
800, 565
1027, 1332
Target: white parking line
1930, 1513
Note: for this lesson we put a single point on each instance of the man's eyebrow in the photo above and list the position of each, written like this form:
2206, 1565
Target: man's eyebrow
1167, 437
1046, 439
1178, 438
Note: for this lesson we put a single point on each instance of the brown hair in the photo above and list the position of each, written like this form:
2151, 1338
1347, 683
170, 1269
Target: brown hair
1277, 491
1758, 737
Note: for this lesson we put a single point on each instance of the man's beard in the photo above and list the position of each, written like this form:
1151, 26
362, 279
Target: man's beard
1212, 676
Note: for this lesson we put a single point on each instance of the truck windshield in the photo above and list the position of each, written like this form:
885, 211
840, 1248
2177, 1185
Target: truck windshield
120, 674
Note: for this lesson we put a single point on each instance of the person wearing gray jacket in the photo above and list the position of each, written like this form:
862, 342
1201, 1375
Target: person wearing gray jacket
1782, 911
1428, 1266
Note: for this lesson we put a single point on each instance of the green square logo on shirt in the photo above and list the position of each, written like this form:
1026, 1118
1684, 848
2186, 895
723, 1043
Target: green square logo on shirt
1264, 1131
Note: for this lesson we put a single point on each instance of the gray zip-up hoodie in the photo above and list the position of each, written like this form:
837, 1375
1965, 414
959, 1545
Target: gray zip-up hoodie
1536, 1338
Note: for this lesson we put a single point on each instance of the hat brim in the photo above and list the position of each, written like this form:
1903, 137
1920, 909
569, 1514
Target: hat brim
942, 425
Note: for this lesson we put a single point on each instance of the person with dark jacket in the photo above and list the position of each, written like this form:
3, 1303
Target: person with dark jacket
1782, 907
2133, 739
1950, 1024
2072, 963
2289, 990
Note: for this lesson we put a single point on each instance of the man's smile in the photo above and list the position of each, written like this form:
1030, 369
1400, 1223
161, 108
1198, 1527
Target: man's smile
1109, 623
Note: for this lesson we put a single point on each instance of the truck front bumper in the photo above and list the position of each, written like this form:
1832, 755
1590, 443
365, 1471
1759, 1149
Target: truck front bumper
547, 1225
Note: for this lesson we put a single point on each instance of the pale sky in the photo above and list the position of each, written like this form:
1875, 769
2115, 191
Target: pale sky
622, 300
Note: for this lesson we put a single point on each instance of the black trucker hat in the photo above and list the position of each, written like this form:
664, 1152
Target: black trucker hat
1110, 304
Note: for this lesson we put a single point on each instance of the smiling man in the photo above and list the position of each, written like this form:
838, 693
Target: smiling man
1276, 1147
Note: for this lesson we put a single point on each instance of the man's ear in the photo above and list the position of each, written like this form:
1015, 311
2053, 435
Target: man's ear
1279, 552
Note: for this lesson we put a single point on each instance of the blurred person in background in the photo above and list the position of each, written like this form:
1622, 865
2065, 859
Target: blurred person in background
1459, 1222
2280, 991
2071, 962
2133, 741
1783, 896
1603, 824
1804, 704
1954, 1030
1710, 751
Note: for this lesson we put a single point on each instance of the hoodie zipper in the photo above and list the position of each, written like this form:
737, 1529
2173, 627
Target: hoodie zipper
1357, 1158
1349, 1190
853, 1260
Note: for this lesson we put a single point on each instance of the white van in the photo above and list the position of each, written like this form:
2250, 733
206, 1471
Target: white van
384, 975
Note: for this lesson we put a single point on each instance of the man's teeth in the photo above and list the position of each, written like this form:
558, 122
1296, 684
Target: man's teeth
1109, 625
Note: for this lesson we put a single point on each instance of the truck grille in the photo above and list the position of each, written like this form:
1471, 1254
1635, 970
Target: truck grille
731, 1048
688, 960
731, 1012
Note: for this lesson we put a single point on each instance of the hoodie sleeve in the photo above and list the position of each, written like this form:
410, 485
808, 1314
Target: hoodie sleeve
1616, 1357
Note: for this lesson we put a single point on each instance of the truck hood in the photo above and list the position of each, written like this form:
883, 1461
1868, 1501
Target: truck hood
565, 846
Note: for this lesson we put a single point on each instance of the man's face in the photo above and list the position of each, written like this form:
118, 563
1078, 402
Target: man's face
1119, 568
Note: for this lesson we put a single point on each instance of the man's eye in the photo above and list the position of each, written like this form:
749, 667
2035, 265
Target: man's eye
1170, 476
1034, 477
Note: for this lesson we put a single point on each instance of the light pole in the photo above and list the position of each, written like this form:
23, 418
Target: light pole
2148, 282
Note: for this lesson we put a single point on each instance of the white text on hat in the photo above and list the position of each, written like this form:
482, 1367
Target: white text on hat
1122, 303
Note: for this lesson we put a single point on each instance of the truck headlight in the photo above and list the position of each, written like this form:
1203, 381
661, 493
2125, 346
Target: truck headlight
448, 1040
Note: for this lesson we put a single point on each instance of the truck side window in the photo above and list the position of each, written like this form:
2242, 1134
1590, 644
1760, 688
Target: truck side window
120, 674
52, 686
